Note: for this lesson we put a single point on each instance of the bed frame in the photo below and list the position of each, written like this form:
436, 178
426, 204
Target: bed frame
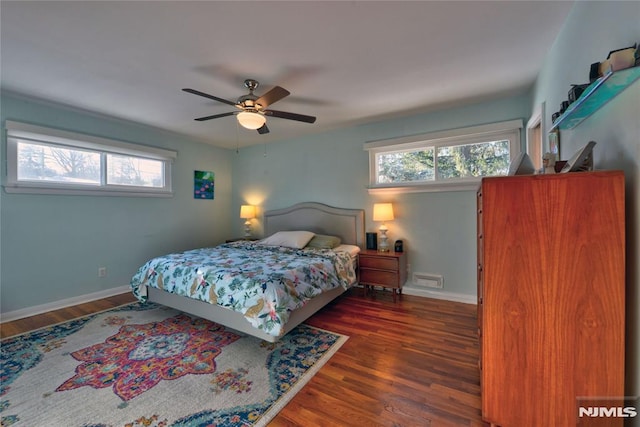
348, 224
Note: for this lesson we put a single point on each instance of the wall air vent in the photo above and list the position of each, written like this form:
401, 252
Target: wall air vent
428, 280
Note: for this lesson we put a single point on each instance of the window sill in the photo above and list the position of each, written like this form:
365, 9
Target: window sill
461, 185
98, 191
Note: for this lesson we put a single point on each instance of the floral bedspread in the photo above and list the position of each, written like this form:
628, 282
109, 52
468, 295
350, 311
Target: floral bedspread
264, 283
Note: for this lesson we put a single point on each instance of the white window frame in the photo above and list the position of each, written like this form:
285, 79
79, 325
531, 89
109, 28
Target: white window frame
509, 130
535, 136
16, 131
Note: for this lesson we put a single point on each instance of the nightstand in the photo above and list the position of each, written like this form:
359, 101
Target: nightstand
384, 269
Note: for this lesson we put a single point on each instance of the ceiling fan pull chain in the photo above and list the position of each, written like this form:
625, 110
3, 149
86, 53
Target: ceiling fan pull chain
237, 138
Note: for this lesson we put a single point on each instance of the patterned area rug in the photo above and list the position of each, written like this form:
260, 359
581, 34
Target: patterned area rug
147, 365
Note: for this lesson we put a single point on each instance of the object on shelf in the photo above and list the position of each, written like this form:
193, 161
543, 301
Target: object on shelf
595, 96
594, 72
619, 60
576, 91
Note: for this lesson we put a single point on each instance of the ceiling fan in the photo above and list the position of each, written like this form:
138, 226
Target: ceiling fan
253, 112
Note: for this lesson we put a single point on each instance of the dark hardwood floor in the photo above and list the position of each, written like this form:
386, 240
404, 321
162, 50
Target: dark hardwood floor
409, 363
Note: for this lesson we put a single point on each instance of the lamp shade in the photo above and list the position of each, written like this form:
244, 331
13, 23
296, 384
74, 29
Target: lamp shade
251, 120
382, 212
247, 211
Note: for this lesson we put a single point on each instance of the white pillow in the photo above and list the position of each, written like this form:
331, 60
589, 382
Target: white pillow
290, 239
352, 250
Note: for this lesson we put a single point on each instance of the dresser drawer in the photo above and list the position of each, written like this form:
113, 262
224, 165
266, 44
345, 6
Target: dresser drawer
379, 263
387, 279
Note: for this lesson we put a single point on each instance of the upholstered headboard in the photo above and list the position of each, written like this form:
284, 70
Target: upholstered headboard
348, 224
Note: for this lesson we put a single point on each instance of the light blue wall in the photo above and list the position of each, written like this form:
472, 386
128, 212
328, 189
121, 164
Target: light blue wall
438, 229
592, 30
52, 246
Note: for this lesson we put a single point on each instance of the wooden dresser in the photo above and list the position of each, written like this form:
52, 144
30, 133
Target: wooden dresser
551, 289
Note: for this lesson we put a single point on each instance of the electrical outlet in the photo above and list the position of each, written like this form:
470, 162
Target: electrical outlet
102, 272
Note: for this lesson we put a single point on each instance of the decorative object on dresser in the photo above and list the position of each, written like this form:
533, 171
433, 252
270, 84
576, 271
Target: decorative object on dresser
383, 212
384, 269
551, 296
549, 163
247, 212
581, 161
521, 165
554, 142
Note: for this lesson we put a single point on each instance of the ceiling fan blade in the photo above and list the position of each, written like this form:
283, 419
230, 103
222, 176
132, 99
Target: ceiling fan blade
206, 95
274, 95
290, 116
215, 116
263, 129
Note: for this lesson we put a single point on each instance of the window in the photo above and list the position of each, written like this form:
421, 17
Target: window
43, 160
450, 160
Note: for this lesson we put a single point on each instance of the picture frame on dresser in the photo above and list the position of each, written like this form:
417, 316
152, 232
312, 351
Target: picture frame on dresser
581, 161
521, 165
554, 142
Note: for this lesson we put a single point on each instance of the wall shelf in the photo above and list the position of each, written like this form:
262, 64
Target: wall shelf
595, 96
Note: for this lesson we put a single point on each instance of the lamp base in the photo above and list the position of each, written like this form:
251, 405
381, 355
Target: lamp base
383, 245
247, 229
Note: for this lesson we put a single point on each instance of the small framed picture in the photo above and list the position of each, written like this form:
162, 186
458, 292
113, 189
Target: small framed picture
203, 185
554, 142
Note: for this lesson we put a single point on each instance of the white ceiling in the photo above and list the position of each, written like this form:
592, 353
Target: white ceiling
345, 62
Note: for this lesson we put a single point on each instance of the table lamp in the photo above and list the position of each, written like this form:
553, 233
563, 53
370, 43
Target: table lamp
383, 212
247, 212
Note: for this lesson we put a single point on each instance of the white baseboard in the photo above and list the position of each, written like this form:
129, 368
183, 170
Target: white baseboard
449, 296
56, 305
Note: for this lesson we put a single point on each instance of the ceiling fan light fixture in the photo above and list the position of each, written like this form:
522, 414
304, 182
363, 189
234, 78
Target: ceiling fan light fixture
251, 120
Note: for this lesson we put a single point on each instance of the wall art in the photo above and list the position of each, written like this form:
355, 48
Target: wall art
203, 185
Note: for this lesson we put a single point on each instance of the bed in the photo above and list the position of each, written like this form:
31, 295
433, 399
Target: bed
212, 285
